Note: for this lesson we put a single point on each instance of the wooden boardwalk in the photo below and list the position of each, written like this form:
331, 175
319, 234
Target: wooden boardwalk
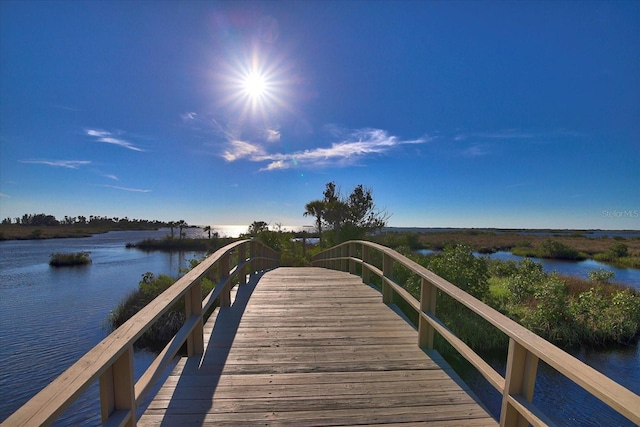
310, 346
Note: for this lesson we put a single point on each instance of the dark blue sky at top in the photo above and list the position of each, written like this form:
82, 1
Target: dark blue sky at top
455, 113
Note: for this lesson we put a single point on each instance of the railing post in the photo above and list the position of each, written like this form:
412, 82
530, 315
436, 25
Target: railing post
426, 332
344, 253
387, 272
117, 389
365, 260
225, 295
242, 258
520, 379
253, 253
193, 307
352, 256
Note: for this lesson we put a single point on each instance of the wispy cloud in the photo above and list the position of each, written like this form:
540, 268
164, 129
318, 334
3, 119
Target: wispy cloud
135, 190
359, 144
272, 135
356, 145
237, 150
475, 151
503, 134
109, 138
4, 195
113, 177
69, 164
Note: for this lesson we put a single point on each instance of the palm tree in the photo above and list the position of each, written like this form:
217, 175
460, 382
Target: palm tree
316, 208
208, 229
182, 224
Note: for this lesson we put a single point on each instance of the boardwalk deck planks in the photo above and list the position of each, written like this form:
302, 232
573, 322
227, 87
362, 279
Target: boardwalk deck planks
309, 346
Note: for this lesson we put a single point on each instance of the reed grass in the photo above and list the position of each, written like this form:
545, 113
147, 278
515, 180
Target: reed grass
60, 259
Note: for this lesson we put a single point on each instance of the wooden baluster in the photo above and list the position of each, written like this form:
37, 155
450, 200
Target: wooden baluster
253, 253
387, 272
117, 389
193, 306
344, 253
365, 260
242, 258
520, 379
225, 295
428, 294
352, 256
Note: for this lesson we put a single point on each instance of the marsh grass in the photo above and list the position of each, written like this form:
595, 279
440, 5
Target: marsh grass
163, 330
60, 259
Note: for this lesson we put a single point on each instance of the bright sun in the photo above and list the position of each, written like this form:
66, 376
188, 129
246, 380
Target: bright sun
255, 85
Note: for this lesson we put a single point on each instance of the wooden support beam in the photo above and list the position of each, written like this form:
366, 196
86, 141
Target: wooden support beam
387, 272
117, 394
193, 306
426, 332
520, 380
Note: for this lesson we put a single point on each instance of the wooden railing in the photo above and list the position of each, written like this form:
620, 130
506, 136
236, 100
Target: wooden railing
111, 361
525, 347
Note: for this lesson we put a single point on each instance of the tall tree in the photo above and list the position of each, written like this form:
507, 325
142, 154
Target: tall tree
349, 217
257, 227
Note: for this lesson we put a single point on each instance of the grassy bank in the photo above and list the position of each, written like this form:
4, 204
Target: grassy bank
33, 232
163, 330
176, 245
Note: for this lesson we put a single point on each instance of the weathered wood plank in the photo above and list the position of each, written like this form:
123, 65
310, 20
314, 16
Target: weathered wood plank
308, 346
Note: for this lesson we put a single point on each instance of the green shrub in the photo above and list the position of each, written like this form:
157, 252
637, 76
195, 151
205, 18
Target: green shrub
553, 249
601, 275
600, 320
458, 265
525, 280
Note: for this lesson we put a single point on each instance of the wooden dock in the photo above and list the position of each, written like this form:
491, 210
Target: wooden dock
310, 346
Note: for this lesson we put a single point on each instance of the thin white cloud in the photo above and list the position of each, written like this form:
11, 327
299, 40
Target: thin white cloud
505, 134
5, 195
69, 164
240, 149
272, 135
135, 190
188, 116
113, 177
108, 138
475, 151
360, 143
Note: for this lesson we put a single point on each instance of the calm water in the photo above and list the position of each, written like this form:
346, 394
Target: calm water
50, 317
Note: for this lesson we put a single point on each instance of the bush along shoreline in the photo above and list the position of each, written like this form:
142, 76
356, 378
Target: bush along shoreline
70, 259
163, 330
567, 311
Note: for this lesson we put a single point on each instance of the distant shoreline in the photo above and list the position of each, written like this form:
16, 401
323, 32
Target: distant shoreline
29, 232
40, 232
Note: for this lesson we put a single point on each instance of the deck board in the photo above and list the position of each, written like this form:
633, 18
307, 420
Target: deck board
309, 346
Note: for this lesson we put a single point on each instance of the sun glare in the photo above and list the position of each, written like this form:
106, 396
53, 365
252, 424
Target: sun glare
255, 85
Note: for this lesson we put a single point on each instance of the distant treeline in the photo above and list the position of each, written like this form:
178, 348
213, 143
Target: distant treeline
97, 221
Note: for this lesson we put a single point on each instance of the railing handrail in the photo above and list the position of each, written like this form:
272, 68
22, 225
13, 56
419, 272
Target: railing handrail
525, 347
111, 361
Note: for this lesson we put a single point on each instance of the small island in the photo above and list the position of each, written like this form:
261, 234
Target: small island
60, 259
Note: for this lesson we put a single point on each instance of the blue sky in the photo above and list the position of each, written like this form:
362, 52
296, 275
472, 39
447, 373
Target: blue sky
456, 114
